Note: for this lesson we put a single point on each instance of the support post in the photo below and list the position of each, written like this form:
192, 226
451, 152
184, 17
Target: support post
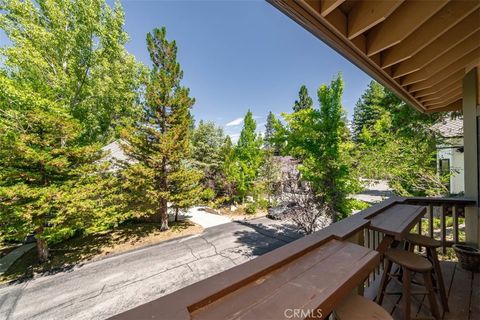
471, 129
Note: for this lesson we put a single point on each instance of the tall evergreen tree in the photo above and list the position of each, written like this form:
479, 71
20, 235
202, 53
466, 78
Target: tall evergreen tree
160, 140
230, 169
248, 154
207, 140
369, 108
66, 81
304, 100
333, 176
273, 134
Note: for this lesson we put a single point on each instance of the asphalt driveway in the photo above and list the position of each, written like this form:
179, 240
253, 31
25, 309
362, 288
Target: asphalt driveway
104, 288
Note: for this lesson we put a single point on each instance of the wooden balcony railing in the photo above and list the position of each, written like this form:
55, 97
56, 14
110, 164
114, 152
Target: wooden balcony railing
182, 304
448, 212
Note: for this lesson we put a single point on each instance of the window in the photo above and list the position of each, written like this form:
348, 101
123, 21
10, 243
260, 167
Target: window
444, 168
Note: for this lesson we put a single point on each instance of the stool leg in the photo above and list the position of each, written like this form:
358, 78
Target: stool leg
384, 281
406, 293
439, 278
427, 277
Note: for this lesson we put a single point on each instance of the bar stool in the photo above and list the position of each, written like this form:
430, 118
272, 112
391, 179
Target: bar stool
431, 246
357, 307
410, 263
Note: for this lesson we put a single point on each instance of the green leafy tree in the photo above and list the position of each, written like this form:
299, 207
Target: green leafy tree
304, 100
399, 145
320, 139
66, 81
73, 53
207, 141
160, 141
248, 155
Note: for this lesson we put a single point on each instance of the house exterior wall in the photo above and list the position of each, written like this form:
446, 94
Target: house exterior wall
450, 151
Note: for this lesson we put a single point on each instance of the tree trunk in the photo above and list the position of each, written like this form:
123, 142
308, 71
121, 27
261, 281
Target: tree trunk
42, 247
163, 213
163, 210
176, 214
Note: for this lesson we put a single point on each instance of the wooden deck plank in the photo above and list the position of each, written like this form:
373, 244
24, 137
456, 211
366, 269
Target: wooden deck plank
475, 299
460, 293
463, 292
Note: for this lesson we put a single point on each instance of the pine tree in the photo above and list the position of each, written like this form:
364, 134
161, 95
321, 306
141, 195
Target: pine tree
270, 175
66, 82
207, 140
185, 187
229, 168
333, 175
304, 100
160, 140
369, 108
273, 139
248, 154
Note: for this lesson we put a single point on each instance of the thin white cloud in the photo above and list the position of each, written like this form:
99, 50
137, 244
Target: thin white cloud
235, 122
234, 137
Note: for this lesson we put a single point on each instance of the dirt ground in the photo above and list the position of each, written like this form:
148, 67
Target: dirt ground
79, 250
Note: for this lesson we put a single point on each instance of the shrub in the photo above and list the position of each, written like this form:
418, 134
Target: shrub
358, 204
208, 194
220, 201
251, 208
262, 204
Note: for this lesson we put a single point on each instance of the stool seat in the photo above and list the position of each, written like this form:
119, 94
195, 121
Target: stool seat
408, 260
357, 307
423, 241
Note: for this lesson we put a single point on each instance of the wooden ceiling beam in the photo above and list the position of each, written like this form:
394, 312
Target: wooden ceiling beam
367, 14
453, 89
444, 102
336, 18
456, 105
443, 61
442, 85
445, 72
445, 42
401, 23
302, 13
324, 7
442, 21
327, 6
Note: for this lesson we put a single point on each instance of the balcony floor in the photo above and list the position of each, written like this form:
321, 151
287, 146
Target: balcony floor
463, 289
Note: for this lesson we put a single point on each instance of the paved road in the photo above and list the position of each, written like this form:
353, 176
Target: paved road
103, 288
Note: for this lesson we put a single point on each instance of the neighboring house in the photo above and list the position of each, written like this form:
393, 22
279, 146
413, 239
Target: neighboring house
115, 154
450, 153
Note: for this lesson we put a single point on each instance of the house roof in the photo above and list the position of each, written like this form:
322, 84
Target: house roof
419, 49
450, 128
114, 152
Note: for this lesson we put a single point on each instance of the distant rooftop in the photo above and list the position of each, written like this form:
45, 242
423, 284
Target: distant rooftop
450, 128
115, 152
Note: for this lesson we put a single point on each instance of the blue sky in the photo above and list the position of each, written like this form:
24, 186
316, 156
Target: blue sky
240, 55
